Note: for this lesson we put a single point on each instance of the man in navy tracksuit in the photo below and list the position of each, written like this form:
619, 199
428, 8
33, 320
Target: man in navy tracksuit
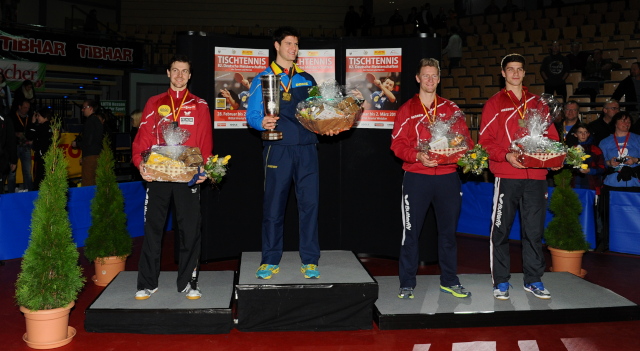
292, 159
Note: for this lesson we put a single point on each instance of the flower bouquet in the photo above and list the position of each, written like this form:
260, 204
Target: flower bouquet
576, 156
474, 160
216, 168
327, 109
447, 143
534, 149
172, 162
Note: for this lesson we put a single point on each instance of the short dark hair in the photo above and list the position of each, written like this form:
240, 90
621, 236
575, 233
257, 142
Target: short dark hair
179, 58
512, 58
283, 32
46, 112
621, 115
636, 63
93, 104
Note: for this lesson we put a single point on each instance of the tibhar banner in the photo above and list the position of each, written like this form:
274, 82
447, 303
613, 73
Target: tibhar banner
17, 72
235, 68
321, 64
374, 75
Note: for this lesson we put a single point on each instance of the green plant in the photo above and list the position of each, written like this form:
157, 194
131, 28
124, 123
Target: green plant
564, 231
108, 234
50, 276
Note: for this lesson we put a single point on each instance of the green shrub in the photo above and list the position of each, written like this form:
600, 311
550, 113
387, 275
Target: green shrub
564, 231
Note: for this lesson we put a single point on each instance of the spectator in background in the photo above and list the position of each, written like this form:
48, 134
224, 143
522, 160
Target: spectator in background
555, 71
598, 68
441, 19
365, 21
492, 8
40, 132
577, 58
413, 19
24, 92
91, 22
396, 19
590, 177
136, 117
603, 126
453, 49
630, 89
21, 119
90, 141
351, 22
510, 7
8, 152
5, 96
571, 113
427, 18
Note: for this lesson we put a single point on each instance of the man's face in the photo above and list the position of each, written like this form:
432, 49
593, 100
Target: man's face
24, 108
288, 48
428, 79
179, 75
635, 70
611, 109
571, 113
86, 109
388, 84
555, 48
513, 73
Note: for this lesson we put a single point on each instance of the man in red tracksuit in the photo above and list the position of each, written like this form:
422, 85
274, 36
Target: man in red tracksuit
515, 186
181, 108
426, 182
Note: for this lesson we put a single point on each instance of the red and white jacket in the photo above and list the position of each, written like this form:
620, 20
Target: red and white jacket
499, 123
408, 129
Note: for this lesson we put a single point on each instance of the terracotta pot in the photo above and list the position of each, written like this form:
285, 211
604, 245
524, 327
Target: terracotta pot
106, 271
567, 261
47, 329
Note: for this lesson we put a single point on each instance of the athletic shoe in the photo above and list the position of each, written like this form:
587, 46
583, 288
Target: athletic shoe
501, 291
192, 294
145, 293
456, 290
405, 293
265, 271
310, 271
538, 290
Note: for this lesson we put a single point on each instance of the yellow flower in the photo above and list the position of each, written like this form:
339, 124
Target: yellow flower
484, 159
473, 155
215, 159
585, 157
226, 159
584, 166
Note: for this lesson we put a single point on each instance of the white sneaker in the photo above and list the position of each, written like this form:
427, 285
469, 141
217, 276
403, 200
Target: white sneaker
192, 294
145, 293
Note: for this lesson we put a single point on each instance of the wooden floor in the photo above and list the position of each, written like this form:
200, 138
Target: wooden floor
614, 271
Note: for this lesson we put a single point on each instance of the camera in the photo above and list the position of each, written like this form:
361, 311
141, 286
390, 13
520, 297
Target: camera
621, 159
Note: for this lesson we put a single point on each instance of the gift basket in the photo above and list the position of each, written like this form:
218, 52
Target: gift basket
327, 109
447, 143
534, 149
172, 162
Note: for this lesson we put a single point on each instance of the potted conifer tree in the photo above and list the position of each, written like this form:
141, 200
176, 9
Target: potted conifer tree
564, 234
50, 277
108, 243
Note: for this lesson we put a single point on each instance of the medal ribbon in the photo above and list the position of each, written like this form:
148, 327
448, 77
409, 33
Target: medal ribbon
26, 121
432, 118
173, 108
623, 146
293, 71
524, 110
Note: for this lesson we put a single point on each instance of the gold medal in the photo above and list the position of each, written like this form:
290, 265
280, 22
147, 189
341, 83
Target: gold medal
521, 123
286, 96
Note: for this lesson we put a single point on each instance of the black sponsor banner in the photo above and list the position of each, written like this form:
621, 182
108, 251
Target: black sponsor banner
54, 48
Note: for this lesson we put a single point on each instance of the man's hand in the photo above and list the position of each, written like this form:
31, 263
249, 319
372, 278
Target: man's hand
512, 158
334, 132
270, 122
146, 175
425, 160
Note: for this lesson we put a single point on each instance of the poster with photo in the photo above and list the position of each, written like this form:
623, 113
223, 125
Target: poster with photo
321, 64
373, 75
235, 68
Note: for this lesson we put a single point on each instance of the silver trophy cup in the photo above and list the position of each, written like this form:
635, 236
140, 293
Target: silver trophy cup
271, 103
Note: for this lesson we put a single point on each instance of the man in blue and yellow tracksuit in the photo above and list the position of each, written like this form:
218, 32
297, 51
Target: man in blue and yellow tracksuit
294, 158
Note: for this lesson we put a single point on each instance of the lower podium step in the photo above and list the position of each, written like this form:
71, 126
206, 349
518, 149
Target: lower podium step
167, 311
341, 299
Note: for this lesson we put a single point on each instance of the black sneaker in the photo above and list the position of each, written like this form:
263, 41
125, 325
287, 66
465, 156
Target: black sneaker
405, 293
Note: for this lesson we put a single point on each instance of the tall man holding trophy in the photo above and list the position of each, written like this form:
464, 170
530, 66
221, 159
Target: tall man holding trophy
289, 155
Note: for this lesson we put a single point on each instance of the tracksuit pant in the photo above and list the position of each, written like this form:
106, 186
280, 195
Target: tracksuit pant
530, 197
284, 164
419, 191
187, 210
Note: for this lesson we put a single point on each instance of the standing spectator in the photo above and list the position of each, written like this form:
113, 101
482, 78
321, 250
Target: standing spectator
441, 19
8, 152
577, 59
621, 152
630, 89
396, 19
21, 120
555, 71
365, 21
427, 183
90, 141
91, 22
351, 22
40, 132
427, 18
603, 126
24, 92
178, 107
453, 49
590, 177
516, 187
5, 96
413, 19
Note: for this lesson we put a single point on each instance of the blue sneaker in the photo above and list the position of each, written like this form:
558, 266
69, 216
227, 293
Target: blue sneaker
501, 291
405, 293
310, 271
266, 271
538, 290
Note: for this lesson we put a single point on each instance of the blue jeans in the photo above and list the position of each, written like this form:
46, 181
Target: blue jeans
24, 155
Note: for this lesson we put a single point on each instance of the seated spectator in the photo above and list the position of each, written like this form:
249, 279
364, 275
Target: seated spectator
603, 126
598, 68
590, 177
630, 89
577, 58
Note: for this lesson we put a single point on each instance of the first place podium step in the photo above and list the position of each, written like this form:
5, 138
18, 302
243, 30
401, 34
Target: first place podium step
341, 299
